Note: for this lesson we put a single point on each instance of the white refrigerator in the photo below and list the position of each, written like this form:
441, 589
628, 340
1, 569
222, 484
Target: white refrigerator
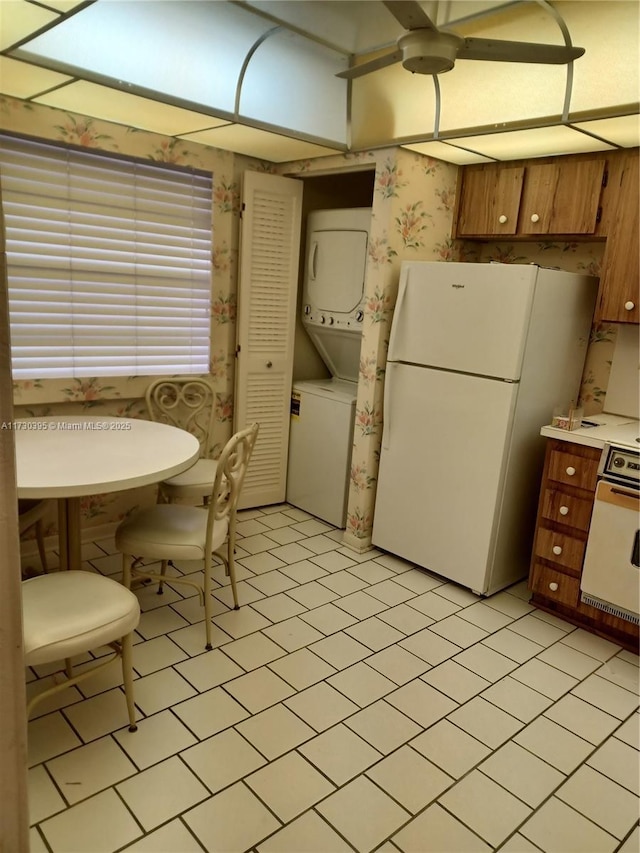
479, 355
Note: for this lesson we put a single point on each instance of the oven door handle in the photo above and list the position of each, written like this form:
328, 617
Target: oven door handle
613, 494
625, 499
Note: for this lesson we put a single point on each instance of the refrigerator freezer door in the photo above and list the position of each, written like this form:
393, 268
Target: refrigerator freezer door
471, 318
444, 455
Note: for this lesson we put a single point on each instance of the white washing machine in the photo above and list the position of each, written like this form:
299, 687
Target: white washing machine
323, 410
320, 441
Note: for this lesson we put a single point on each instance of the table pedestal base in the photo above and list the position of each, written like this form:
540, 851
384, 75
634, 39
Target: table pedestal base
69, 533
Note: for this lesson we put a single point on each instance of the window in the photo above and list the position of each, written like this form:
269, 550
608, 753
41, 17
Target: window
109, 263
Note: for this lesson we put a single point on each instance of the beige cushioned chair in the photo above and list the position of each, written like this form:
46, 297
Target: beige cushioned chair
188, 404
173, 532
65, 614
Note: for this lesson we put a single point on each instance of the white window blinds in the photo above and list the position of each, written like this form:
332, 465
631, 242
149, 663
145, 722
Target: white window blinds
109, 263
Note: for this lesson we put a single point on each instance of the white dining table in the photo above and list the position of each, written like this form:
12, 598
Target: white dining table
68, 458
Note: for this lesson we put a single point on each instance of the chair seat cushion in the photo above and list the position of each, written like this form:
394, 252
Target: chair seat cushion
67, 613
169, 532
196, 481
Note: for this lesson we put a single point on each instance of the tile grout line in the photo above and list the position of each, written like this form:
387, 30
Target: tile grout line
370, 653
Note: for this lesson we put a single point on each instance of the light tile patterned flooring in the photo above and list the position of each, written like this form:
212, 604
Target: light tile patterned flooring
352, 703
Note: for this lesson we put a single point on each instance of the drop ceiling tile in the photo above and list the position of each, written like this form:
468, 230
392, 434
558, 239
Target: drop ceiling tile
534, 142
124, 108
261, 144
21, 80
621, 130
450, 153
19, 19
63, 5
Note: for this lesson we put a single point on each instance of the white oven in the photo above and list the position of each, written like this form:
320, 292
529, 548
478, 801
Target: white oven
611, 572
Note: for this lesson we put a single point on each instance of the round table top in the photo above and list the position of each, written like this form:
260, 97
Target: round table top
65, 457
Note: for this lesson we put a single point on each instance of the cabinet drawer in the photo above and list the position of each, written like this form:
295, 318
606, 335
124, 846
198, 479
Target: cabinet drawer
560, 549
565, 509
555, 585
573, 470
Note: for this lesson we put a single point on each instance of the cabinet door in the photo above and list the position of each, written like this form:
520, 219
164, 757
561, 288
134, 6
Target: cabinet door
489, 201
620, 267
562, 197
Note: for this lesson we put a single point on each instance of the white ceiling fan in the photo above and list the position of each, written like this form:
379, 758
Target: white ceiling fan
426, 49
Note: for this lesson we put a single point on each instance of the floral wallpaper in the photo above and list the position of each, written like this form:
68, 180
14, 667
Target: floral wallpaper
413, 204
124, 396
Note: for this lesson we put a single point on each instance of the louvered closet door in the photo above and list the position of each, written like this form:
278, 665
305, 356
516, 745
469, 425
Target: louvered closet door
267, 291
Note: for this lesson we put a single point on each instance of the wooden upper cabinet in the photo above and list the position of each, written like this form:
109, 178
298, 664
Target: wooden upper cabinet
620, 275
555, 197
562, 197
489, 200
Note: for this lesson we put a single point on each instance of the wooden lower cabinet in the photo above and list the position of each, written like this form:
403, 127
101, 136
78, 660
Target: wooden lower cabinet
562, 527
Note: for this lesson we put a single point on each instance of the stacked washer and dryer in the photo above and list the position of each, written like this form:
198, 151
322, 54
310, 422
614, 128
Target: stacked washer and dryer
323, 410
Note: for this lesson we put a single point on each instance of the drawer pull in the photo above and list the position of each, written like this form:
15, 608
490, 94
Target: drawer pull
502, 219
553, 586
564, 510
629, 306
535, 217
557, 549
571, 470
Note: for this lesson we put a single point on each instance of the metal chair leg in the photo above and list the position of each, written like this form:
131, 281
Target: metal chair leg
207, 601
127, 678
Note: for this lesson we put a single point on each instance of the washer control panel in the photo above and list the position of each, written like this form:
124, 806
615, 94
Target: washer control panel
351, 321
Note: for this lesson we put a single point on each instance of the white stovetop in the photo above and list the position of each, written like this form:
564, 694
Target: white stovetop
615, 429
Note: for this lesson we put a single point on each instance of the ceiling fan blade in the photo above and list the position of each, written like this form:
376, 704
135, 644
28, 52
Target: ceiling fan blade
518, 51
410, 14
373, 65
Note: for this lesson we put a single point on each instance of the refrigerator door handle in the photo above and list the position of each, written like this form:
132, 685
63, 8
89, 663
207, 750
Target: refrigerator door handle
386, 407
397, 314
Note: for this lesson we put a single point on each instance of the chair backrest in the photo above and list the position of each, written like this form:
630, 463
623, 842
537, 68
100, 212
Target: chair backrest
230, 473
186, 403
30, 512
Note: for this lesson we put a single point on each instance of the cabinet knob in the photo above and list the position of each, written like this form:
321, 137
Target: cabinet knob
535, 217
553, 586
557, 549
571, 470
269, 364
502, 219
629, 306
564, 510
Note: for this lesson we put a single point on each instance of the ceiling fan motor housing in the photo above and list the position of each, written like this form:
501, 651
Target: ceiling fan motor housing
429, 52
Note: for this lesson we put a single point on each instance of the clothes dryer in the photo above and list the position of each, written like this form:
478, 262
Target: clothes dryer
333, 288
